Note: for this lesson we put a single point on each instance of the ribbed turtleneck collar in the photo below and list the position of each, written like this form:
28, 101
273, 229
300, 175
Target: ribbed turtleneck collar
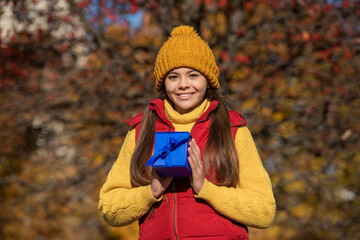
185, 118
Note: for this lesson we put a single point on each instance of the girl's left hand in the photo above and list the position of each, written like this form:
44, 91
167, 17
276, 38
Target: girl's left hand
197, 167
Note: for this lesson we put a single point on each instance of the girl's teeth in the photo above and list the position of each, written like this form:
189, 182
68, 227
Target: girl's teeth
185, 95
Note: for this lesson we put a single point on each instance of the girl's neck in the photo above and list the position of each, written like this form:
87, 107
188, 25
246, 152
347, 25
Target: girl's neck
192, 116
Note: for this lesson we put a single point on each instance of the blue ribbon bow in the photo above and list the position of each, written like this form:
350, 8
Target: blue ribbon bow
165, 150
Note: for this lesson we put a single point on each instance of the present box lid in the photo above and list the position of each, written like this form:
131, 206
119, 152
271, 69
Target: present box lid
170, 157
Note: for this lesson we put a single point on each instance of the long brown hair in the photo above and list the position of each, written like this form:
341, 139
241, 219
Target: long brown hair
220, 151
220, 154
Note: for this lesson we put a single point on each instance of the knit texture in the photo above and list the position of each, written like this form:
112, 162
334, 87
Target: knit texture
186, 118
185, 48
251, 202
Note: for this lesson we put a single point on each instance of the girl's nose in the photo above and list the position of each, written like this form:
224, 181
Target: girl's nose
184, 83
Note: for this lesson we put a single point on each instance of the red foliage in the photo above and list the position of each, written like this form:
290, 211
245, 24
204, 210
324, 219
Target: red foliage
153, 5
348, 54
240, 32
222, 3
50, 97
325, 54
326, 91
316, 37
336, 69
247, 72
328, 7
346, 4
84, 3
341, 89
64, 47
224, 55
309, 110
248, 5
245, 93
110, 14
314, 84
240, 58
265, 90
278, 36
276, 4
134, 7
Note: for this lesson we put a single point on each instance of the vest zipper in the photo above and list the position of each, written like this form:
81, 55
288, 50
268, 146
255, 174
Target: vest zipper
173, 187
174, 212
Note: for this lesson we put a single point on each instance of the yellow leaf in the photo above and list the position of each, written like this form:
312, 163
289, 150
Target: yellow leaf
266, 112
75, 98
302, 210
295, 187
94, 61
278, 116
249, 104
221, 26
288, 175
99, 159
286, 128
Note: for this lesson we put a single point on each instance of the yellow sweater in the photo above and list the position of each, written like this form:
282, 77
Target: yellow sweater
251, 203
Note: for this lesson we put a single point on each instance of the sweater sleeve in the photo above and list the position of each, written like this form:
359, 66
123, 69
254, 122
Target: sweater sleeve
252, 202
120, 204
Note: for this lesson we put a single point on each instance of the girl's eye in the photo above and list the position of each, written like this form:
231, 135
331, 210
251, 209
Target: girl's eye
172, 77
194, 75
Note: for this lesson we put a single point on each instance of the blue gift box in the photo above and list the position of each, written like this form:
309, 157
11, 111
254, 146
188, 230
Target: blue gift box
170, 157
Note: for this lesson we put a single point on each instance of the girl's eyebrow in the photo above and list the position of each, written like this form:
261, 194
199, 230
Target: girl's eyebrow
191, 71
173, 72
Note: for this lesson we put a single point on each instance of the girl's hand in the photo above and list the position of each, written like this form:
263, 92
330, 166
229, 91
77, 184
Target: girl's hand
159, 184
197, 168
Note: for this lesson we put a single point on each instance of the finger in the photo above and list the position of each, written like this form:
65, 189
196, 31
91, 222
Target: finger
194, 151
195, 169
193, 160
197, 173
195, 144
196, 158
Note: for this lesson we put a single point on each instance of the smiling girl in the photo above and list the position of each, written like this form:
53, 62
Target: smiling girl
229, 188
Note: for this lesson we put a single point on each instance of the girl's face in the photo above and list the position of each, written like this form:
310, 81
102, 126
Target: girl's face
186, 88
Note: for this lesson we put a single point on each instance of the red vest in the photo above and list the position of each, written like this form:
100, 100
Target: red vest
180, 215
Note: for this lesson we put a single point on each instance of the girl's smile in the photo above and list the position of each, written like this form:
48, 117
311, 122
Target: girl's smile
186, 88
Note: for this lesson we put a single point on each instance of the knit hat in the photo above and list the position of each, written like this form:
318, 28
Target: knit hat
185, 48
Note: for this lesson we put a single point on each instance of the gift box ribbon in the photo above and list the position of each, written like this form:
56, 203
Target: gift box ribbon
165, 150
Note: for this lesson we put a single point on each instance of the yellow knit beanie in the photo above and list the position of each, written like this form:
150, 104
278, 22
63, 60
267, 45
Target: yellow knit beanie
186, 49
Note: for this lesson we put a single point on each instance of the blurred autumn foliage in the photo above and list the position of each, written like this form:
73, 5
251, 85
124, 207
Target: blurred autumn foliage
72, 71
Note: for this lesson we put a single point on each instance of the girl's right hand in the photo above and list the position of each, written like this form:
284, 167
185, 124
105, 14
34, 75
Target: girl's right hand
159, 184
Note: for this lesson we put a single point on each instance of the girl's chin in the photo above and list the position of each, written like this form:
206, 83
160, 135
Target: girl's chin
184, 108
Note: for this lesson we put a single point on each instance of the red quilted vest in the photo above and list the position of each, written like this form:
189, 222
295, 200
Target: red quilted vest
180, 215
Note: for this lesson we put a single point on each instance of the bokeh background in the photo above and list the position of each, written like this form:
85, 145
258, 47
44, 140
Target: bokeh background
72, 72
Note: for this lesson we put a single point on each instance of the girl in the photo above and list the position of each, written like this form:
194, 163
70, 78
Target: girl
229, 188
